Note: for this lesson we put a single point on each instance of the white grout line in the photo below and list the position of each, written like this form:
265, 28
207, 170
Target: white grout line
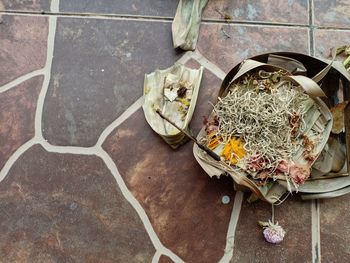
209, 65
40, 103
257, 24
14, 157
91, 16
312, 10
21, 79
312, 27
55, 6
315, 231
311, 33
126, 114
133, 201
47, 76
68, 149
156, 257
309, 43
230, 238
186, 57
313, 47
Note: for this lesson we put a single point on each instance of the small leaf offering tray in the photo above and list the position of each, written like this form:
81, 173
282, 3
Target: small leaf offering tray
174, 92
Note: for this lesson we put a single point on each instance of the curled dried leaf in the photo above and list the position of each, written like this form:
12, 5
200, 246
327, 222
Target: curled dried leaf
338, 117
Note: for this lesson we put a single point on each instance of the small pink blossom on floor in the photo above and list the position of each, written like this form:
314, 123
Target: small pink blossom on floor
273, 233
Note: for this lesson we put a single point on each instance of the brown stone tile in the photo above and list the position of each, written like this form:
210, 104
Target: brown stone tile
182, 202
67, 208
17, 114
165, 259
130, 7
327, 39
97, 73
246, 41
177, 199
20, 5
23, 41
332, 13
293, 215
335, 232
280, 11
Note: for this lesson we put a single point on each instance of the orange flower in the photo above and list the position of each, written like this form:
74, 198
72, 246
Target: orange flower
233, 150
213, 140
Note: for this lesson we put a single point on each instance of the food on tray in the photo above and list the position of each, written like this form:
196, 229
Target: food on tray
267, 128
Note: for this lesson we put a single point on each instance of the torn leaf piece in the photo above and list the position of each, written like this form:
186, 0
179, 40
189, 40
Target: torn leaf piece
185, 27
338, 117
161, 91
292, 65
331, 159
346, 50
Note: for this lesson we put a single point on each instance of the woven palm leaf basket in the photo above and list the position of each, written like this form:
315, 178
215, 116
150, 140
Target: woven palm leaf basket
281, 125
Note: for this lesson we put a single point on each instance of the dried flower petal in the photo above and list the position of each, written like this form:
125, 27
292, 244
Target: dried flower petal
233, 150
181, 92
299, 174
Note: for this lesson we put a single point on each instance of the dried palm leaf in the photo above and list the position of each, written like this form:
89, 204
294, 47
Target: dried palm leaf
317, 128
338, 117
185, 27
174, 91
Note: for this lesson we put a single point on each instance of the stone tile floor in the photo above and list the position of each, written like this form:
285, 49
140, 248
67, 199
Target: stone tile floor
83, 177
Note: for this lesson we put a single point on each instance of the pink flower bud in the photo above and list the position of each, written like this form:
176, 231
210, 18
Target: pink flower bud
274, 233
